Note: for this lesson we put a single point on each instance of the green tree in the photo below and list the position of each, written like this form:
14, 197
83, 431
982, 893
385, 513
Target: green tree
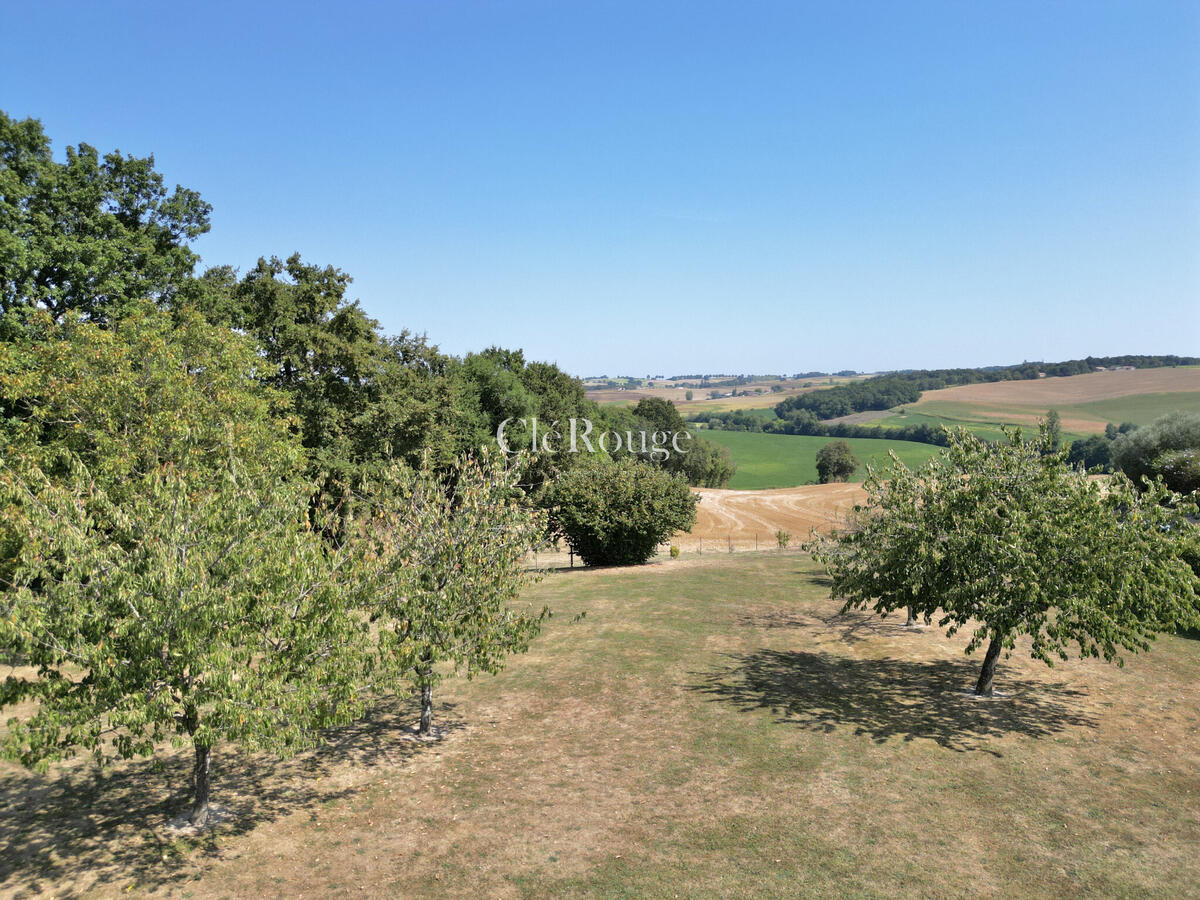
687, 395
1160, 450
1006, 539
835, 462
361, 399
700, 462
616, 512
1092, 452
449, 560
90, 233
161, 572
1054, 429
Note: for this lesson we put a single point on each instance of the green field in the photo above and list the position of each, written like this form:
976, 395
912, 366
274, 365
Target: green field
1140, 409
785, 460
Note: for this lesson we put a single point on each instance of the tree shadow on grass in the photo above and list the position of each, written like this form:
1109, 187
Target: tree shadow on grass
853, 625
81, 826
889, 698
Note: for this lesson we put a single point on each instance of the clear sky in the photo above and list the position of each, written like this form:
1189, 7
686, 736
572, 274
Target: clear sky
641, 187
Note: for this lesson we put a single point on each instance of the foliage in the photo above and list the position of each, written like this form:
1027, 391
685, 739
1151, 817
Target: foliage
616, 512
1180, 469
783, 538
835, 462
361, 399
803, 422
700, 463
160, 570
1054, 428
448, 565
674, 551
1006, 539
1090, 453
1154, 451
89, 234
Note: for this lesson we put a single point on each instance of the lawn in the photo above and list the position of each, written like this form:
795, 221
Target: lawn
709, 728
787, 460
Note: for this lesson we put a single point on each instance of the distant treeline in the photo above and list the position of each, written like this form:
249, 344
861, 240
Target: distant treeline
804, 422
898, 388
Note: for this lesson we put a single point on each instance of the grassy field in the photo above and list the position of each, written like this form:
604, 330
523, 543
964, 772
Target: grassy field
1084, 402
973, 420
785, 460
711, 728
1141, 409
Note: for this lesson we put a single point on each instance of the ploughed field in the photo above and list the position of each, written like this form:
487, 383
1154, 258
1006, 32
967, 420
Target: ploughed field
708, 726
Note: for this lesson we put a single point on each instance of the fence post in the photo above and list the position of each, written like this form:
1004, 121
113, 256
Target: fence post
701, 551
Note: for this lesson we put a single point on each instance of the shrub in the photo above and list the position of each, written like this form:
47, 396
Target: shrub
617, 512
1158, 450
782, 537
674, 551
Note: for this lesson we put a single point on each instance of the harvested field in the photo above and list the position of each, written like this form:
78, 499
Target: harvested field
1046, 392
1085, 402
740, 515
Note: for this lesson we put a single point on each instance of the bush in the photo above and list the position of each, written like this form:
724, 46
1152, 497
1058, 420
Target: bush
1162, 448
782, 537
674, 551
617, 512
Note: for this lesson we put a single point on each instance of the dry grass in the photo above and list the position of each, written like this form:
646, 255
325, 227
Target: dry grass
710, 728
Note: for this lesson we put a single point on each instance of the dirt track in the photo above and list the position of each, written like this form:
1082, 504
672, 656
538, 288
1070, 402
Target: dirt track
739, 515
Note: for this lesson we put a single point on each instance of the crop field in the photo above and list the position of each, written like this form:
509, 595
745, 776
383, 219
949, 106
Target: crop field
1084, 402
786, 460
702, 727
668, 390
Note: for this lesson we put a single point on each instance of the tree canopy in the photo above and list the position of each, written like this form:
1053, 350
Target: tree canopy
161, 569
835, 462
449, 555
1167, 448
90, 233
1006, 540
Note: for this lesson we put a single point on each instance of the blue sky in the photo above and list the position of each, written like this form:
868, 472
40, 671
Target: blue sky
674, 187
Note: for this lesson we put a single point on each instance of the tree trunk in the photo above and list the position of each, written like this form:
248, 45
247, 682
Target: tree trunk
912, 618
426, 702
983, 687
200, 781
